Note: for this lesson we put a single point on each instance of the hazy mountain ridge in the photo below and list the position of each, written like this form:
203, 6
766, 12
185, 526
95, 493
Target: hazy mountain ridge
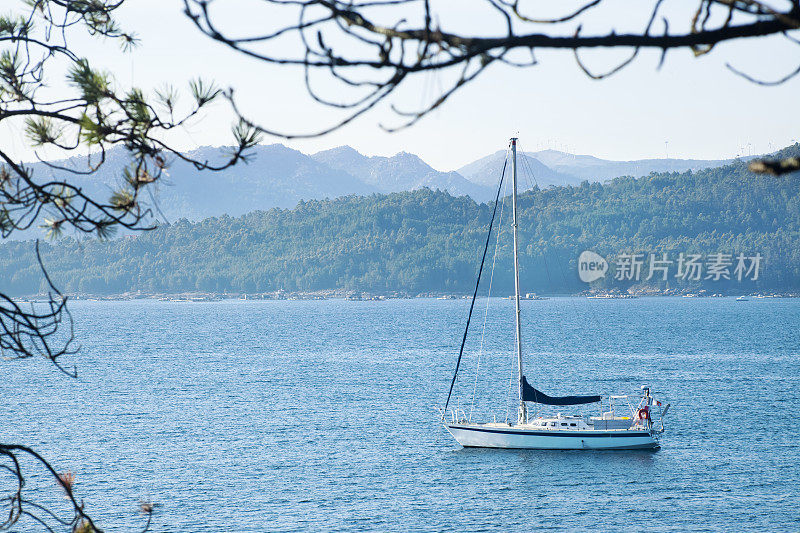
587, 167
278, 176
486, 171
401, 172
552, 167
422, 241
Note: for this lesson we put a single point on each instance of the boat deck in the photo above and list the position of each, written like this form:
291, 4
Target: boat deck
534, 436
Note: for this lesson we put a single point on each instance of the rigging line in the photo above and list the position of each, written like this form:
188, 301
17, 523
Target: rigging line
527, 175
513, 358
511, 382
488, 296
557, 258
527, 167
544, 256
477, 284
559, 266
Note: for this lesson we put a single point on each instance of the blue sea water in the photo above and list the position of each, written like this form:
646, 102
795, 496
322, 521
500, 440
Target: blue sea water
321, 415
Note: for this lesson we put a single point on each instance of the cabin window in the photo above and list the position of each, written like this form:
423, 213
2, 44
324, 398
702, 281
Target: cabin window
552, 423
573, 424
563, 424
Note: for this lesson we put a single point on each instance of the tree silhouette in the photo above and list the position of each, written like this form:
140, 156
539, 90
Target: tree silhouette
92, 115
371, 48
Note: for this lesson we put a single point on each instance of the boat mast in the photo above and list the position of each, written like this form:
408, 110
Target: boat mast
516, 276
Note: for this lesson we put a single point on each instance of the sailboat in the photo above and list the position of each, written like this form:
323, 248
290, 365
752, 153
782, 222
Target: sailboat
620, 427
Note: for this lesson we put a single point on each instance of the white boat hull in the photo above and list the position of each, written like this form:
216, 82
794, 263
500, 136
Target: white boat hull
497, 436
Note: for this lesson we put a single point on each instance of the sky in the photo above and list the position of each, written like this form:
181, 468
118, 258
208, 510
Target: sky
690, 108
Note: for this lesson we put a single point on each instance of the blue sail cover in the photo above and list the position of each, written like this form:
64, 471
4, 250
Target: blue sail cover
529, 394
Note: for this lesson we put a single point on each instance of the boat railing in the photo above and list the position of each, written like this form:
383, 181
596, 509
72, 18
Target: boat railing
613, 400
458, 416
653, 423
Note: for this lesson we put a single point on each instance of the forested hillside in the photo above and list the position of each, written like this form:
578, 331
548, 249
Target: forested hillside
431, 241
278, 176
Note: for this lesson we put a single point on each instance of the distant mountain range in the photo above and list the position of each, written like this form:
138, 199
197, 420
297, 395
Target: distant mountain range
401, 172
532, 172
425, 241
278, 176
587, 167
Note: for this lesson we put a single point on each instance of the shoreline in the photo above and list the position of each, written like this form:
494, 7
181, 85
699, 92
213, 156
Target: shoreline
340, 294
